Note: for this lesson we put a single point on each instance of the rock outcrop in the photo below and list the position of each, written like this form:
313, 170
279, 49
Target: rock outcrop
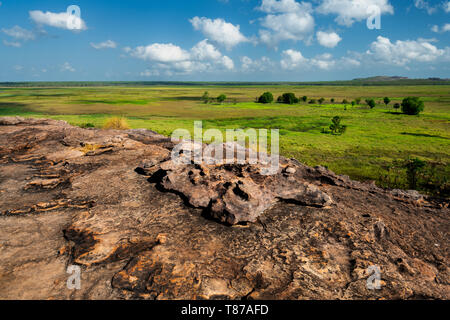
142, 226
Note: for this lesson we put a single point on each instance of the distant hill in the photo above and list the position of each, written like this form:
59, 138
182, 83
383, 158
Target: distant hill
381, 78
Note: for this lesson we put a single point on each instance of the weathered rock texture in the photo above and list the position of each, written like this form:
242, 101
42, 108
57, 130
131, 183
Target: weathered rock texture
141, 226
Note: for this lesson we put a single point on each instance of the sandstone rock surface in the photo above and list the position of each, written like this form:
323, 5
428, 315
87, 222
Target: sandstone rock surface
143, 227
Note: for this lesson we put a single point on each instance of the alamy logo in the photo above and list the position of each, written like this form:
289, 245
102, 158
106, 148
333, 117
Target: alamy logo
74, 281
74, 21
374, 17
238, 146
374, 280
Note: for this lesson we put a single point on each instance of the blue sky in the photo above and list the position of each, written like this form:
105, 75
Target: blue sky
222, 40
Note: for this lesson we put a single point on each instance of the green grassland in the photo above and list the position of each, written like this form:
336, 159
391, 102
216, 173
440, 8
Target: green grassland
375, 142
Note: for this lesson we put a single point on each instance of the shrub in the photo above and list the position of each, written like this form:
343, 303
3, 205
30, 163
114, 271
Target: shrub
321, 100
386, 101
116, 123
413, 166
358, 100
87, 125
312, 101
412, 106
304, 98
353, 103
221, 98
266, 97
289, 98
345, 101
371, 103
397, 106
428, 177
332, 100
205, 97
336, 127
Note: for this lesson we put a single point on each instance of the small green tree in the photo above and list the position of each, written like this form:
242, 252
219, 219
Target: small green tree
386, 101
413, 166
221, 98
266, 97
321, 100
289, 98
205, 97
304, 98
412, 106
332, 100
336, 127
397, 106
353, 103
371, 103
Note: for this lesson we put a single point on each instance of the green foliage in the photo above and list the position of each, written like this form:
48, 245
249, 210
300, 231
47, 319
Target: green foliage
412, 106
336, 127
386, 101
304, 98
413, 166
312, 101
371, 103
332, 100
427, 177
321, 100
221, 98
397, 106
87, 125
289, 98
345, 101
266, 97
205, 97
353, 103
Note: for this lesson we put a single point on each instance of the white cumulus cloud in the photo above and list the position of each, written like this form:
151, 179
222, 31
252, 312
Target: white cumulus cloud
61, 20
172, 59
19, 33
401, 53
67, 67
447, 6
161, 52
425, 5
256, 65
286, 20
350, 11
292, 59
12, 44
219, 31
328, 39
444, 28
108, 44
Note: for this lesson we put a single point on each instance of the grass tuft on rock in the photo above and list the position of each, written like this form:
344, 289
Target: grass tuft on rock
116, 123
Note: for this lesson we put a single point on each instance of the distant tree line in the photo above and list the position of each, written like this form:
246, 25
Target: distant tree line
409, 105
